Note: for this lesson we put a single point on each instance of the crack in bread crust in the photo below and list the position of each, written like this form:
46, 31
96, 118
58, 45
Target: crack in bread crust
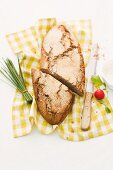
54, 100
53, 61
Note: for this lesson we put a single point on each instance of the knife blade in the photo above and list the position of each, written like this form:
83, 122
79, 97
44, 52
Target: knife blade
91, 70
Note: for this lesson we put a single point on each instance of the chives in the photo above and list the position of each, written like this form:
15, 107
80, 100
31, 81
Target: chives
9, 71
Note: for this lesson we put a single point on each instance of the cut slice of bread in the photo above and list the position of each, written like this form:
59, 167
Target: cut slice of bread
54, 100
62, 58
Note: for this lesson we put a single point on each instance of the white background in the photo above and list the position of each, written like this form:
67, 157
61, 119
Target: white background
36, 151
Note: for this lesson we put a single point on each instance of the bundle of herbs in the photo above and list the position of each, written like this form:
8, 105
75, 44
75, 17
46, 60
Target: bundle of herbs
8, 70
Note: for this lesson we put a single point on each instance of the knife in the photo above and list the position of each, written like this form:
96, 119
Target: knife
91, 70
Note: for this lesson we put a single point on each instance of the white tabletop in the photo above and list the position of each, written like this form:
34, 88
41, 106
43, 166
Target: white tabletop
37, 151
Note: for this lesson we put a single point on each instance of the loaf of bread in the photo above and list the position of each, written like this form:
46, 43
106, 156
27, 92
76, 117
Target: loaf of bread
62, 58
54, 100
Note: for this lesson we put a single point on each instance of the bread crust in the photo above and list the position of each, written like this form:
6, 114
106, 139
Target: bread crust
62, 58
54, 100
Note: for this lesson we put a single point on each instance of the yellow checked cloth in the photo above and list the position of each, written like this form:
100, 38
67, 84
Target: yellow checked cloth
24, 115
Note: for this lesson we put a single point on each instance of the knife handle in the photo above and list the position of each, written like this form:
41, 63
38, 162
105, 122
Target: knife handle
86, 115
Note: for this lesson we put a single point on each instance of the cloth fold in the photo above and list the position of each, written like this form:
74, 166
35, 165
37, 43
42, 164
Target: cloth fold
24, 115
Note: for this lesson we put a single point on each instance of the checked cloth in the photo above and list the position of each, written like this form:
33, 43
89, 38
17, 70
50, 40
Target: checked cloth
27, 45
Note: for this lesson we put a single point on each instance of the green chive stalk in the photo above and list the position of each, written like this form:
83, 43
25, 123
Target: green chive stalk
9, 71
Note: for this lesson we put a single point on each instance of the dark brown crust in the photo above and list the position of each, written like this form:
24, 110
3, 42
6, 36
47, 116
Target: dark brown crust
46, 103
49, 61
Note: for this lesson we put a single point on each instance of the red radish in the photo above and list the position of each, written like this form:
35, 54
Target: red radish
99, 94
